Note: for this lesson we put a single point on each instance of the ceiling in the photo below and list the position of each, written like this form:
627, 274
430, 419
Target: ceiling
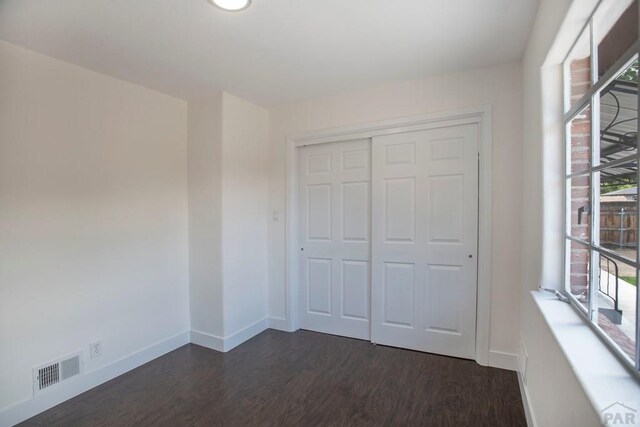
276, 51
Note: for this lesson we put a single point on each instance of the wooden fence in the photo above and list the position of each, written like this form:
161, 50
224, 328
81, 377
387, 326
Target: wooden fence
619, 224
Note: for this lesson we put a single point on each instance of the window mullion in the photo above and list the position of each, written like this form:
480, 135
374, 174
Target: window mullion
594, 54
637, 361
595, 210
594, 193
565, 286
566, 85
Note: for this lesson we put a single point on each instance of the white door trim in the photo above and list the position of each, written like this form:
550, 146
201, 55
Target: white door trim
479, 115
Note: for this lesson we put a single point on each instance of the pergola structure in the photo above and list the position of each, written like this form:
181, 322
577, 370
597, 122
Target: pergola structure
619, 131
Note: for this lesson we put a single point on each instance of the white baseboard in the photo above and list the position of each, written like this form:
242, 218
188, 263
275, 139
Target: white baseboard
528, 410
230, 342
234, 340
502, 360
204, 339
47, 399
279, 324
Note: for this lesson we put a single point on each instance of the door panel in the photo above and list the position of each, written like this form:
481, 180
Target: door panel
319, 280
399, 290
424, 241
355, 211
319, 211
334, 238
399, 209
355, 288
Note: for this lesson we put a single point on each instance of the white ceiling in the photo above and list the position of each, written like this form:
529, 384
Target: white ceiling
277, 50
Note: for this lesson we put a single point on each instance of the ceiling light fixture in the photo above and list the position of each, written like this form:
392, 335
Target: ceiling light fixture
231, 5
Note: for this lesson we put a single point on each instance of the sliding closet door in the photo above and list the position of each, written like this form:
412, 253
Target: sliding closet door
334, 238
424, 253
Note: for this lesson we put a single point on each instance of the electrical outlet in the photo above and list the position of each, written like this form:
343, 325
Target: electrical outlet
95, 349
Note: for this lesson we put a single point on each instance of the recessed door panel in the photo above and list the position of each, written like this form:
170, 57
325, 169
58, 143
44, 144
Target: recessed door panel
319, 211
356, 159
399, 209
398, 154
446, 149
399, 291
355, 288
318, 164
319, 280
355, 211
445, 208
443, 289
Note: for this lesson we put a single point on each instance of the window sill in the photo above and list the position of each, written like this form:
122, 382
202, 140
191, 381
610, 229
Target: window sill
603, 377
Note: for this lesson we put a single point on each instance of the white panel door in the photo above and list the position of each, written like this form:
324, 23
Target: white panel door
334, 238
424, 253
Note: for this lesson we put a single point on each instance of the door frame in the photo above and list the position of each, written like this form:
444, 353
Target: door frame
482, 116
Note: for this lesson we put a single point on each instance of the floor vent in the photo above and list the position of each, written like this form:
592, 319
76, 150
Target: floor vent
57, 371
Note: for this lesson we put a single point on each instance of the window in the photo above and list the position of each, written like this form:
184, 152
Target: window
601, 176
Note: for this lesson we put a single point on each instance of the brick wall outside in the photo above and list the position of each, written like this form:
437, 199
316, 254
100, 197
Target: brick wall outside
580, 78
580, 136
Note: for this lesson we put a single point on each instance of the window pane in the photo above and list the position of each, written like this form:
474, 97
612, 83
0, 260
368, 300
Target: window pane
579, 206
618, 209
617, 289
579, 135
578, 68
615, 31
578, 271
619, 116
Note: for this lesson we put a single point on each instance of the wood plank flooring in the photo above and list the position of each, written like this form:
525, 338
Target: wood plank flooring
298, 379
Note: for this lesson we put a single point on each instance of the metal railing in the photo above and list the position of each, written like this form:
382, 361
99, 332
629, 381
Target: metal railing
607, 291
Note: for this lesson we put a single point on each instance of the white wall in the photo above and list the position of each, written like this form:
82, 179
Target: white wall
499, 86
556, 398
93, 216
245, 133
205, 215
555, 395
228, 155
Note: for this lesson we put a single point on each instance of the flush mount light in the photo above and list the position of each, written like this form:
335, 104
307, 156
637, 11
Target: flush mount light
231, 5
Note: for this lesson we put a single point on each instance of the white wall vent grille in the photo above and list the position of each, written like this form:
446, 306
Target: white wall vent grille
70, 367
48, 376
57, 371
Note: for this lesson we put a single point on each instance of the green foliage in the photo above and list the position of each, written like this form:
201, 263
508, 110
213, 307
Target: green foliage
631, 73
630, 279
609, 187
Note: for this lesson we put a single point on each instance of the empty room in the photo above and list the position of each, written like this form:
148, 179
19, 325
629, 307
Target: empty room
319, 213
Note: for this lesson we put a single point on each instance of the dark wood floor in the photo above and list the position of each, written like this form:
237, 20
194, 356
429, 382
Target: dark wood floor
302, 379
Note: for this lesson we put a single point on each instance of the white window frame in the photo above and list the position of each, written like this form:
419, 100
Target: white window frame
592, 97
